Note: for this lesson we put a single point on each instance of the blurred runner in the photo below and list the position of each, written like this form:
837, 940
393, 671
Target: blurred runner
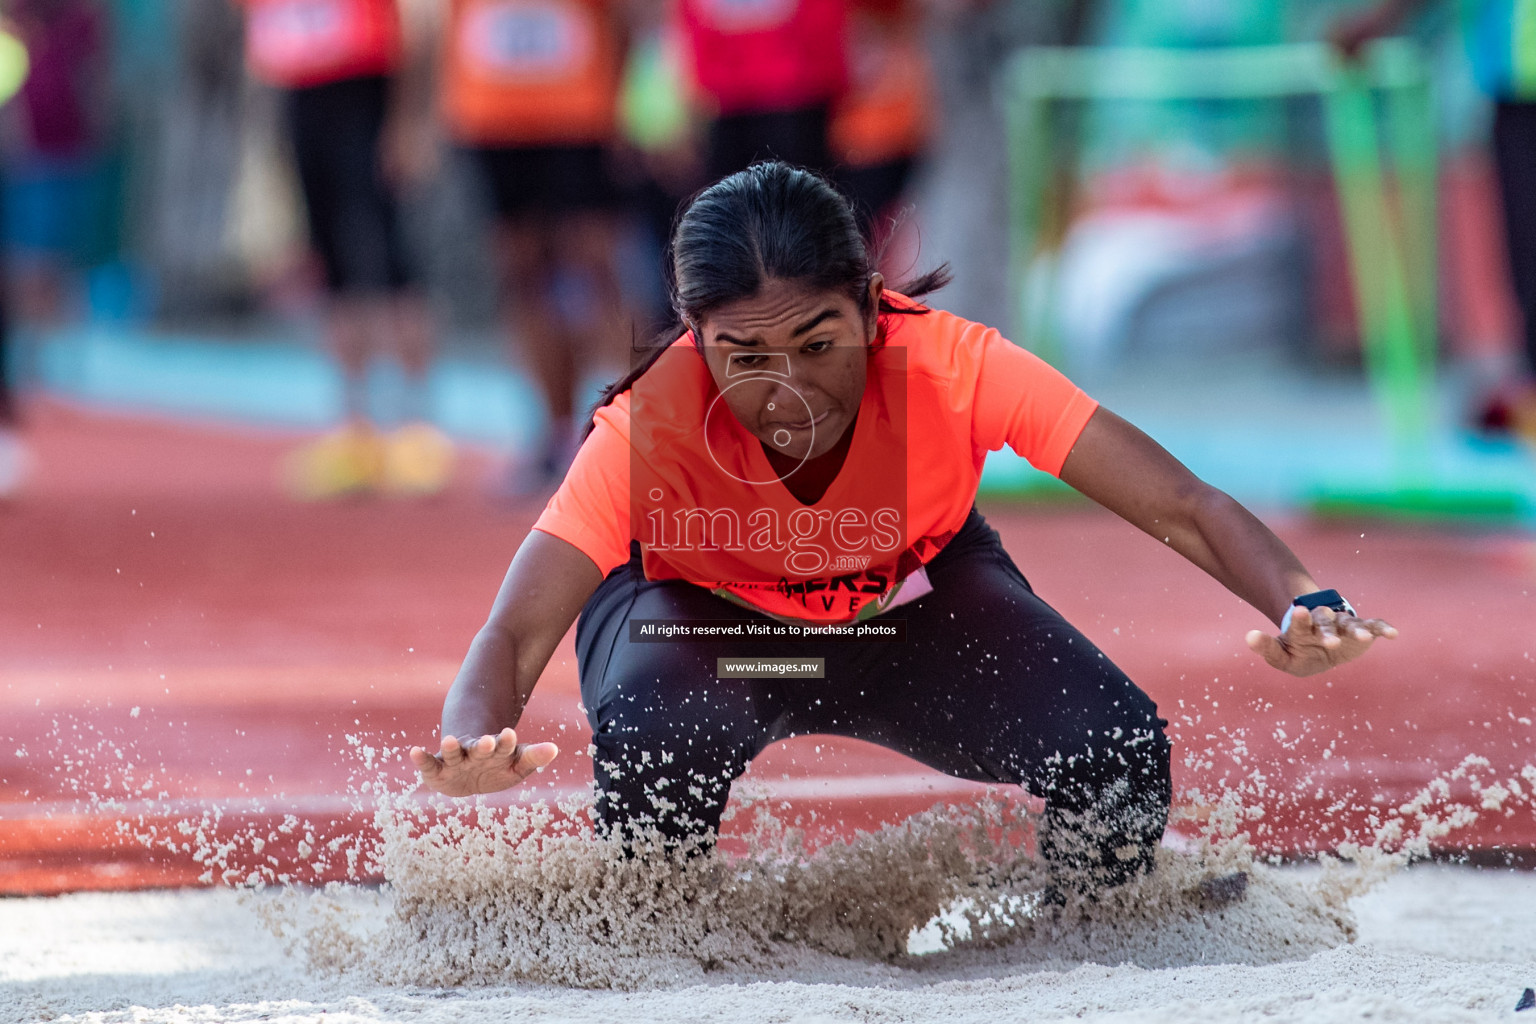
881, 127
1501, 43
56, 210
768, 71
336, 62
528, 90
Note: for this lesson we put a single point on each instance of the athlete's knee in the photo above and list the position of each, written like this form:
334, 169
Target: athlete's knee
1137, 751
666, 771
659, 750
1131, 755
1107, 804
670, 800
524, 254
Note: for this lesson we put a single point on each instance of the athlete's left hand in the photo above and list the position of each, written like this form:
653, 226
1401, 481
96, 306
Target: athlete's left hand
1318, 639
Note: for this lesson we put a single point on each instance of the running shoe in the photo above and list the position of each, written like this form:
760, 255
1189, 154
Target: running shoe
1219, 891
346, 462
418, 460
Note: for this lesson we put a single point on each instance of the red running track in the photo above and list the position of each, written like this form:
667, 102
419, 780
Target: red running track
176, 635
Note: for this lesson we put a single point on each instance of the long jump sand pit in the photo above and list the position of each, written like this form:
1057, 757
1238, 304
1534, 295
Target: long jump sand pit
1435, 943
170, 622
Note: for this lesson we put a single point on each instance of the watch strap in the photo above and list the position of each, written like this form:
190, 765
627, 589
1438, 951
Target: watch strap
1329, 598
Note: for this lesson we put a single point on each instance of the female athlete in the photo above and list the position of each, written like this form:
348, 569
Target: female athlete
803, 460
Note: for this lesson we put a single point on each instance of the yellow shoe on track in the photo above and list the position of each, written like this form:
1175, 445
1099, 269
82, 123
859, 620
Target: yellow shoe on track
418, 460
346, 462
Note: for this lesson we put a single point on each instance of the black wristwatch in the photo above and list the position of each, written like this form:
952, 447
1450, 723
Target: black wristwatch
1317, 599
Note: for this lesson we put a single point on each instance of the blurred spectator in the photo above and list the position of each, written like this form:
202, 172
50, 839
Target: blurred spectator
13, 453
768, 72
55, 197
1501, 40
529, 93
660, 130
881, 127
336, 62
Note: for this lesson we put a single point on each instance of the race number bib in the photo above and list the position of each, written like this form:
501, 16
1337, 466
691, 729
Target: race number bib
537, 40
291, 38
746, 15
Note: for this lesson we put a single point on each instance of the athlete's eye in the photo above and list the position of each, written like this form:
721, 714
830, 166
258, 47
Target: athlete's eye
819, 346
758, 362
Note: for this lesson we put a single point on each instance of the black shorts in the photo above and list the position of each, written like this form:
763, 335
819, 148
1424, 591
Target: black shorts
354, 221
524, 180
797, 137
990, 684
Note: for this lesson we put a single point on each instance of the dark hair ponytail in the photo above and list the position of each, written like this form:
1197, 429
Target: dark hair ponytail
768, 221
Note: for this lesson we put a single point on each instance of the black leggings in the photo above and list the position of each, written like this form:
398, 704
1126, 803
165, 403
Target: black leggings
353, 216
991, 684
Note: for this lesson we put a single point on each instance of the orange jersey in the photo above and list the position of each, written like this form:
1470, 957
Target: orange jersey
531, 72
299, 43
667, 465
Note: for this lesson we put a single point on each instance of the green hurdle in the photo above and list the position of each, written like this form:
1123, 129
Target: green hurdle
1381, 102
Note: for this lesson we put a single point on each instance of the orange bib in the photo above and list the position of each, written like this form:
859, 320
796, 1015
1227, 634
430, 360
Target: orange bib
531, 72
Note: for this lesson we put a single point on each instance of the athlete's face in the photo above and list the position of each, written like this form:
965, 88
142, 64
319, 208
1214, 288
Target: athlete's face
790, 363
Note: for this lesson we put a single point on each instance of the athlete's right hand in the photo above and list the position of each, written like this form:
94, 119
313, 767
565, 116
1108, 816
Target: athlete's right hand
487, 764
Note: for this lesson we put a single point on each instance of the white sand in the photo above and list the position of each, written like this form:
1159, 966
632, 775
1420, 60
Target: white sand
518, 913
1436, 943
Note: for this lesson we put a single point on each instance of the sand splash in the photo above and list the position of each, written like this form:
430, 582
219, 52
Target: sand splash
477, 894
480, 895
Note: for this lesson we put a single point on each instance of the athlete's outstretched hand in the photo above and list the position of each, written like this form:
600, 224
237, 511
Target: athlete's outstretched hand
484, 765
1318, 639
